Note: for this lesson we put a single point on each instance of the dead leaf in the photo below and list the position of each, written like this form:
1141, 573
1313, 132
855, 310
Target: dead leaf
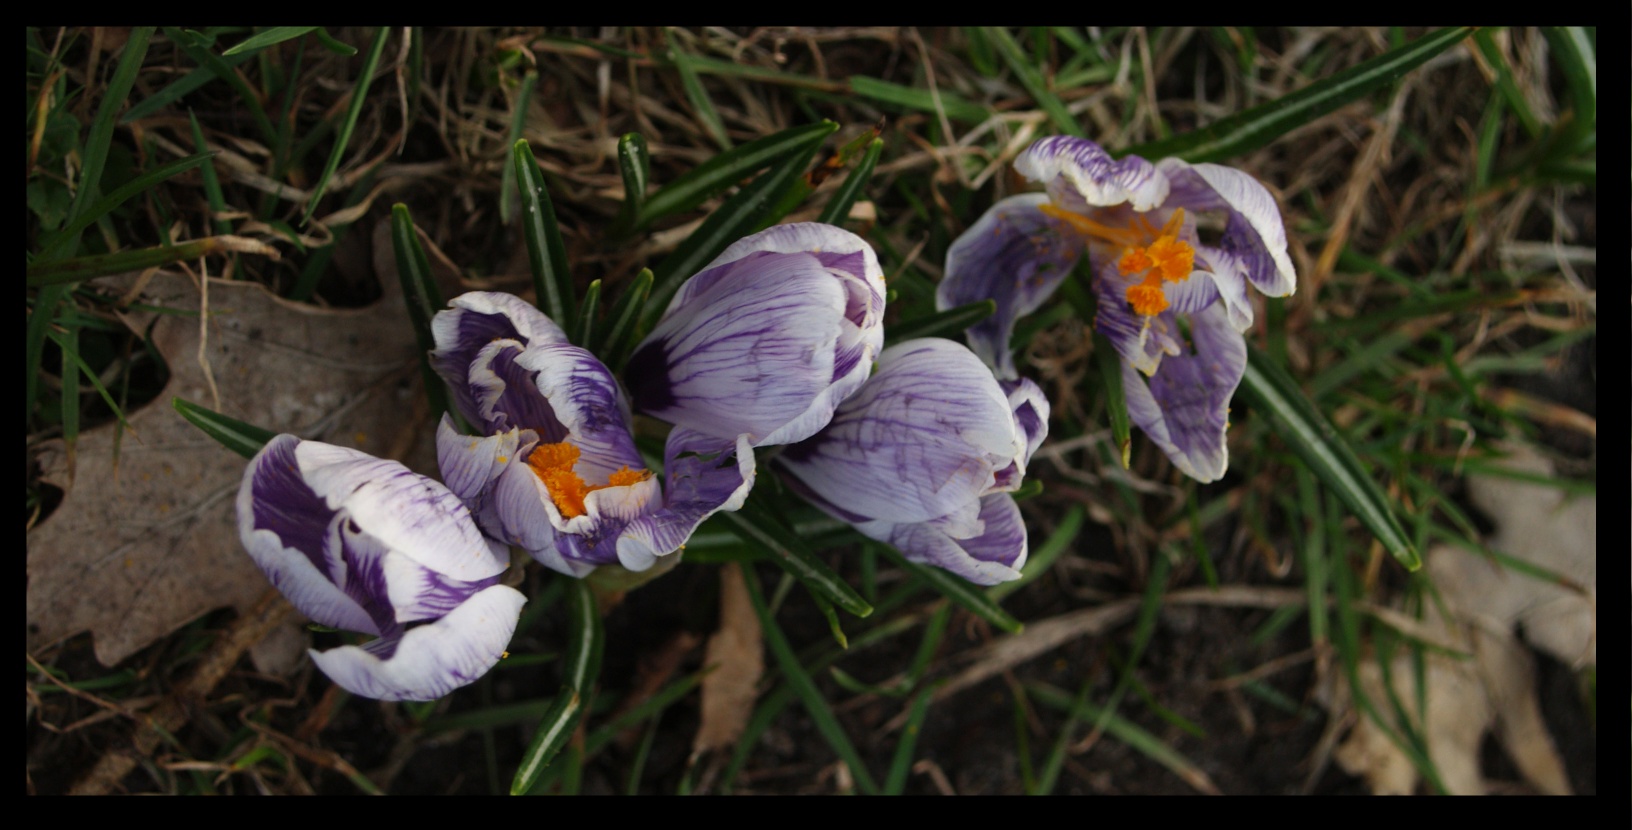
135, 552
1494, 689
737, 658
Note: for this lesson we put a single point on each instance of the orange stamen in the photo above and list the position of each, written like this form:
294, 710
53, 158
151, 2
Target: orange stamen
553, 464
1147, 299
1167, 259
1161, 253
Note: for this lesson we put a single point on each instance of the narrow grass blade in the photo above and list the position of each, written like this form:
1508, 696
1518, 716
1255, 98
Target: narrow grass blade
365, 78
1050, 776
754, 525
92, 160
344, 50
805, 688
244, 439
1485, 39
545, 252
1131, 734
423, 298
959, 590
798, 190
84, 268
201, 54
584, 323
582, 667
1149, 605
727, 169
273, 35
1573, 50
585, 636
70, 351
1328, 456
1346, 637
635, 164
624, 320
1025, 69
554, 730
698, 96
901, 763
754, 206
981, 56
212, 182
59, 239
897, 96
838, 207
177, 90
832, 620
1116, 400
949, 323
518, 120
1247, 131
651, 707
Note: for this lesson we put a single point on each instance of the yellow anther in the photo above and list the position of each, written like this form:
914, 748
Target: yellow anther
1159, 254
553, 464
1166, 259
1147, 299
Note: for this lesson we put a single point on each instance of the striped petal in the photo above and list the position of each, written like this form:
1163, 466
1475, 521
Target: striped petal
1253, 232
474, 320
703, 475
1184, 408
990, 552
1080, 175
431, 660
1016, 255
926, 436
768, 339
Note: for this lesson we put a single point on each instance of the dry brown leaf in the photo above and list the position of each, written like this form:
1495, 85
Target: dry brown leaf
135, 552
1493, 690
737, 659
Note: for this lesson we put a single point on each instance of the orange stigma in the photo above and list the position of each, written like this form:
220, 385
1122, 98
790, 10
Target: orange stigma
553, 464
1165, 258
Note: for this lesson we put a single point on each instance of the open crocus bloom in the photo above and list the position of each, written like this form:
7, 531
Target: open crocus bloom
768, 339
555, 469
1156, 271
924, 456
363, 544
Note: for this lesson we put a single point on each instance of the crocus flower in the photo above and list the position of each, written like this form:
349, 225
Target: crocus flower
1155, 275
554, 469
768, 339
363, 544
924, 456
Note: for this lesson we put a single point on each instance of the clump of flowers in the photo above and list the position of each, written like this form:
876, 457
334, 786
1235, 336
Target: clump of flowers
773, 343
1173, 248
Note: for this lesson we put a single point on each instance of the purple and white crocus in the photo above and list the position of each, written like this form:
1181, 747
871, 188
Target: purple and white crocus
554, 469
1154, 275
765, 341
363, 544
924, 456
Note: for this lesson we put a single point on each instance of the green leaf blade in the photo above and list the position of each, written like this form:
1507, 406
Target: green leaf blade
726, 169
1254, 128
244, 439
423, 298
761, 530
546, 254
1328, 456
